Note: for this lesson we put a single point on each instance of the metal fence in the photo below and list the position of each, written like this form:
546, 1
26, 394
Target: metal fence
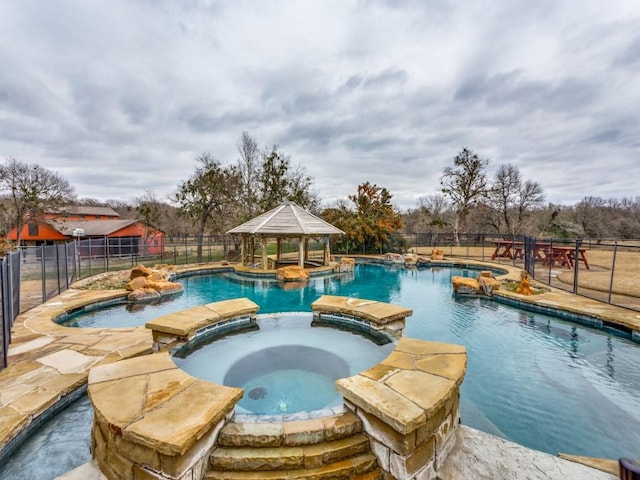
35, 274
602, 269
10, 292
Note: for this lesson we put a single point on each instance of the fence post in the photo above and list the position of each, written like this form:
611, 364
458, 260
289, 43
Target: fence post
550, 258
576, 259
90, 253
613, 269
106, 253
43, 274
76, 261
57, 259
6, 318
66, 268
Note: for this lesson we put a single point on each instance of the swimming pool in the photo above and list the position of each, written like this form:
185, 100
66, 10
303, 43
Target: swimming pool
542, 382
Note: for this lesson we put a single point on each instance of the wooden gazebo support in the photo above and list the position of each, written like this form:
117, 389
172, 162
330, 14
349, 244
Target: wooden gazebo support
286, 221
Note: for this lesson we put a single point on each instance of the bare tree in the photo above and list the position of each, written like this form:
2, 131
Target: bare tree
512, 199
149, 210
32, 190
430, 214
249, 170
268, 178
465, 184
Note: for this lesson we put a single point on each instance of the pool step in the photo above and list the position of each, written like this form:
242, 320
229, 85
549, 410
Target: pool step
326, 448
290, 434
282, 458
359, 467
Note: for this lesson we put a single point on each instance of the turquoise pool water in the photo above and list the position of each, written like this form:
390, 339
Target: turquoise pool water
287, 366
542, 382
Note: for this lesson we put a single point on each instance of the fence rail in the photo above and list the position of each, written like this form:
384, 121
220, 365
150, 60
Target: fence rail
609, 275
35, 274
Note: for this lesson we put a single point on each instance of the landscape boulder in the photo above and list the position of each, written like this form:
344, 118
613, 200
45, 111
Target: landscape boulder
150, 283
437, 254
292, 273
484, 284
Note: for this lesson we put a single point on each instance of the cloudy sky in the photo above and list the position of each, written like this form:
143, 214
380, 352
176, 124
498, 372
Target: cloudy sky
120, 96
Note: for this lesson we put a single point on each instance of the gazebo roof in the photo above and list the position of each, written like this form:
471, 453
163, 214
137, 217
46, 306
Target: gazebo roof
286, 220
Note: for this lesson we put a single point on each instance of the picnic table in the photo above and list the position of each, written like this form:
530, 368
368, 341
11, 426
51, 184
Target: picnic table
545, 253
508, 249
565, 256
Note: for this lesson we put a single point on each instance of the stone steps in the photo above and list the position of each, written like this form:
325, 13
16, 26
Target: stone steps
283, 458
359, 467
303, 432
316, 449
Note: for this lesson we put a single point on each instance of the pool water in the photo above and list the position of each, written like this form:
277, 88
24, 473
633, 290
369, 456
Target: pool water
287, 391
537, 380
60, 444
286, 366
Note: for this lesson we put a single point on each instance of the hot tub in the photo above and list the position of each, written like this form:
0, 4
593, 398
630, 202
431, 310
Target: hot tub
288, 365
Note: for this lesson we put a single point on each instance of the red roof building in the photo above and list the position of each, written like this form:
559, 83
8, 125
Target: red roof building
99, 226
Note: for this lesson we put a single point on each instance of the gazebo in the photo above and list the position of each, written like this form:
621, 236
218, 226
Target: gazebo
285, 221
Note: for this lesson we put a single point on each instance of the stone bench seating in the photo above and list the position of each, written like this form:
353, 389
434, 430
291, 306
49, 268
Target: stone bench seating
185, 325
145, 421
409, 405
380, 316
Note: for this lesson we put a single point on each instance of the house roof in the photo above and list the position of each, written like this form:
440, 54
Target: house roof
86, 210
286, 220
91, 227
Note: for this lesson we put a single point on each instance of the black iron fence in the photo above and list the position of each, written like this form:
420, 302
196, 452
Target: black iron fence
602, 269
10, 292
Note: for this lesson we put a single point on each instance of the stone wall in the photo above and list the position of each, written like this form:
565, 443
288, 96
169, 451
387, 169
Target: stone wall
409, 406
153, 421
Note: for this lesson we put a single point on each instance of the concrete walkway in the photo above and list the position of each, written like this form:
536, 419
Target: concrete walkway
49, 361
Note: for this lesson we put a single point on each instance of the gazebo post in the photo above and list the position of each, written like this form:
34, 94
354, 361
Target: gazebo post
265, 265
301, 252
278, 249
306, 248
243, 250
326, 254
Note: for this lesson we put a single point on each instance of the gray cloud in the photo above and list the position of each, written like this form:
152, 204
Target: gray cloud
120, 97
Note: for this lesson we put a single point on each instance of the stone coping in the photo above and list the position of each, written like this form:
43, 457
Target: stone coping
49, 362
371, 310
407, 387
150, 401
39, 353
186, 323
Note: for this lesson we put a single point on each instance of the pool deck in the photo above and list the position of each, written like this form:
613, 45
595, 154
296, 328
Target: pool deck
47, 362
